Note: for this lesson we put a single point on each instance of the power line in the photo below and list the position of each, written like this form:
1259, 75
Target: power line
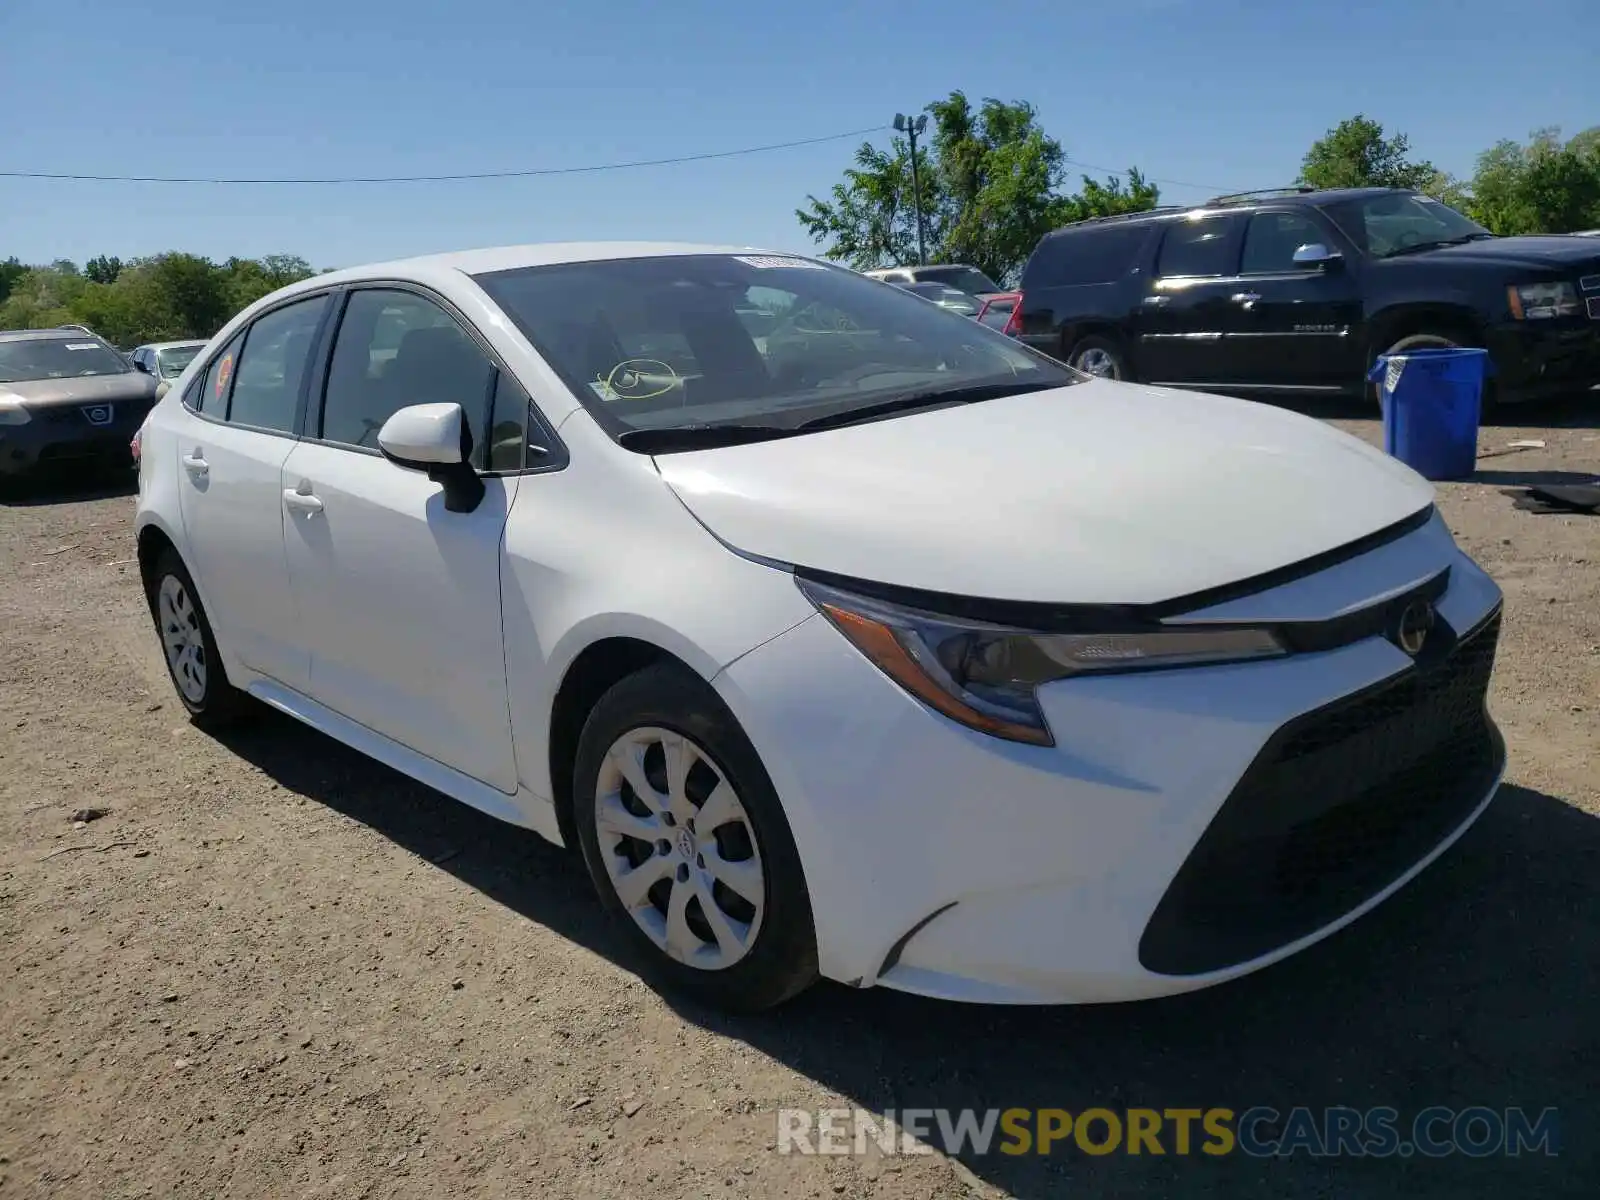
517, 174
1199, 187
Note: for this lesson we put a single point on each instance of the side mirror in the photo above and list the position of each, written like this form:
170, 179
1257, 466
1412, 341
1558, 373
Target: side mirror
436, 438
1314, 254
139, 365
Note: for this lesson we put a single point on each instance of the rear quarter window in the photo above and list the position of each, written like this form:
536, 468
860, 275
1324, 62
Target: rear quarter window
1085, 256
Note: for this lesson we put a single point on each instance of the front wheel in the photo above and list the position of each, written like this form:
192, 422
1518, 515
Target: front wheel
1429, 341
684, 835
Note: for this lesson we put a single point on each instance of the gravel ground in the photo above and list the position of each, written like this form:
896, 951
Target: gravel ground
275, 968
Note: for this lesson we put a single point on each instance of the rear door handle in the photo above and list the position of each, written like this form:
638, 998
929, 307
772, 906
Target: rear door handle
303, 501
1157, 301
1248, 299
196, 464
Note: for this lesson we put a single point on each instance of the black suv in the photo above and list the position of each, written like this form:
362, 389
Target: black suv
1297, 290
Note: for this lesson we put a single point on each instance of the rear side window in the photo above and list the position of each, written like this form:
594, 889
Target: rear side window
1209, 246
1086, 256
219, 380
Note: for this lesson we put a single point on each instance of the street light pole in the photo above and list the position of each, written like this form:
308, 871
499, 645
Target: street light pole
911, 128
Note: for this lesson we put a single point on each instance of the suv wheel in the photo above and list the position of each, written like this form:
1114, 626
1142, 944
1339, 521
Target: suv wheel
189, 647
1100, 357
683, 833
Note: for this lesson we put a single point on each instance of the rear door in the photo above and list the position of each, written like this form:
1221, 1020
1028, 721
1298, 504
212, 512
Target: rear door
1300, 326
1190, 306
236, 430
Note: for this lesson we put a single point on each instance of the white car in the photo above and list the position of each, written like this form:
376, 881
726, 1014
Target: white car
874, 645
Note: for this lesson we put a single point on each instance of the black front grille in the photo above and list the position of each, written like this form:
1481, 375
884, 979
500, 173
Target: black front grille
1338, 805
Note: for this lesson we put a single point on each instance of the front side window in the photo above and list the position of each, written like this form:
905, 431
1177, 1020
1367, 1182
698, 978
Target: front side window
272, 365
1205, 246
1389, 223
395, 349
1271, 239
28, 359
746, 341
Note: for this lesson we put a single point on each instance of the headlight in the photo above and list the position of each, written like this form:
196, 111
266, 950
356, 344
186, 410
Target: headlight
986, 676
1533, 301
11, 410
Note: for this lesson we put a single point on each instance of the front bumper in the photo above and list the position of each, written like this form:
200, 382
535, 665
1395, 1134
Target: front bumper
946, 862
1540, 360
62, 437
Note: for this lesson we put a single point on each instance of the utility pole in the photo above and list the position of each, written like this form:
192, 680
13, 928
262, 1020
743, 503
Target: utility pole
911, 128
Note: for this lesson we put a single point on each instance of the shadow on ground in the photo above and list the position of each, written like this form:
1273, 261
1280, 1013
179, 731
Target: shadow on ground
1475, 986
68, 489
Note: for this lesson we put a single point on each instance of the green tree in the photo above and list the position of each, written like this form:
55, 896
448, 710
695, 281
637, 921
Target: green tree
993, 183
1354, 153
1545, 186
10, 271
102, 269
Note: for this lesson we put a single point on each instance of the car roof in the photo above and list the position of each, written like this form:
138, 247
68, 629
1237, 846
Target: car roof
171, 345
1242, 202
35, 335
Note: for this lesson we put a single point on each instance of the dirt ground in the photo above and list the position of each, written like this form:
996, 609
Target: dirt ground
275, 968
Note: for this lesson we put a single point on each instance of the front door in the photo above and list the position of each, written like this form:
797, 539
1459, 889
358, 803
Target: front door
1300, 326
236, 431
399, 599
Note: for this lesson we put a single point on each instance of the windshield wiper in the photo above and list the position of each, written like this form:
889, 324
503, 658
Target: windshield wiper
1455, 241
669, 440
930, 398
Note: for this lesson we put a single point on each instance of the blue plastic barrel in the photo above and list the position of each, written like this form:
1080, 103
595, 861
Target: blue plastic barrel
1432, 403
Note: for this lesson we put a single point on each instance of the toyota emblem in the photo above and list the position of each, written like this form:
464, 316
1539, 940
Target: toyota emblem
1416, 621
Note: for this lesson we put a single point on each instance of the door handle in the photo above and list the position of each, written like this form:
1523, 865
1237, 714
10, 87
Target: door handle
1247, 299
303, 501
196, 464
1157, 301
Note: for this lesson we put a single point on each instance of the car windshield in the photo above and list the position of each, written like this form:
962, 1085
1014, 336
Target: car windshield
967, 279
1395, 222
173, 360
58, 358
949, 297
712, 339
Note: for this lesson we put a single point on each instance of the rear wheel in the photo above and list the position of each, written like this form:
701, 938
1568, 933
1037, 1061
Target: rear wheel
683, 834
189, 647
1099, 356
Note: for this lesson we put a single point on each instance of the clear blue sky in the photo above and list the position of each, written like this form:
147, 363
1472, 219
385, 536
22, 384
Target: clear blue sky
1216, 93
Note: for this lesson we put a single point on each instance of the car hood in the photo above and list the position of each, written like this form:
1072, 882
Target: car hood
1099, 492
82, 389
1553, 251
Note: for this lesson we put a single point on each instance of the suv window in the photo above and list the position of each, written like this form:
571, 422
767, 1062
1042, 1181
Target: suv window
1271, 240
395, 349
1088, 256
1198, 247
277, 348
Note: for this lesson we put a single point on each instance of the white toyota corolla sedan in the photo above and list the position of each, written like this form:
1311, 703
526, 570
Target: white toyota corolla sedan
844, 635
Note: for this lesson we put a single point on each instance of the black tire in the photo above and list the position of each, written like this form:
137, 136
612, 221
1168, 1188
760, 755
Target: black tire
1101, 357
1431, 341
216, 701
782, 959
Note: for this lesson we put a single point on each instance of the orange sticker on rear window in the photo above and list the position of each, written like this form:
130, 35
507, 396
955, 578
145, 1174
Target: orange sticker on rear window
224, 373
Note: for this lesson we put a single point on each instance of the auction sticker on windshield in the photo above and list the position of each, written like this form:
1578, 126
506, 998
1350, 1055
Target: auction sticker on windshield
767, 261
